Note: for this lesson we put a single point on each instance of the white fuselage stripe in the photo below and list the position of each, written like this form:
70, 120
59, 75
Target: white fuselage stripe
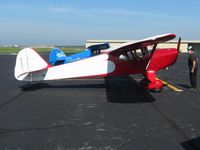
97, 65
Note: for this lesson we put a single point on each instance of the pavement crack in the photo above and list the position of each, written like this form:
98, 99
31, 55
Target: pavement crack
11, 100
7, 131
172, 123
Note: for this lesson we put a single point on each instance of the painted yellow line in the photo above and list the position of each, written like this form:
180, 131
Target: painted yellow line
171, 86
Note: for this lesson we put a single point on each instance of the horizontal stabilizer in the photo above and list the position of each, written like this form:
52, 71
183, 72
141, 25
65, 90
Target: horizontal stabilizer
27, 61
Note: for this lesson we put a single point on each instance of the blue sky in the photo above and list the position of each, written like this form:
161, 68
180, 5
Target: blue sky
72, 22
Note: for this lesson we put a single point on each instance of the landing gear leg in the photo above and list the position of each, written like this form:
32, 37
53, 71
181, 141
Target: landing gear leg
154, 84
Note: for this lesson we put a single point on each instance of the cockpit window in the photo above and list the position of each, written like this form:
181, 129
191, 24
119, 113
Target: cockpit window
136, 54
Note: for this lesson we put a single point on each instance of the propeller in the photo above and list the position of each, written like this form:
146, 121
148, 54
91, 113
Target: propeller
179, 44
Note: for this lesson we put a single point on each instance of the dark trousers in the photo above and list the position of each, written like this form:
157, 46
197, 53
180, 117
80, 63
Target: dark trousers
193, 78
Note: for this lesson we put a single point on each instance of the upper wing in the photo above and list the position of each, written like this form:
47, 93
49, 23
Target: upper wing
129, 46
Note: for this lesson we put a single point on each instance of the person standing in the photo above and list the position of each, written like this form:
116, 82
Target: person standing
193, 67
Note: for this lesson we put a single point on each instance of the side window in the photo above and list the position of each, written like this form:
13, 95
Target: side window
127, 56
123, 57
143, 52
130, 55
138, 53
150, 48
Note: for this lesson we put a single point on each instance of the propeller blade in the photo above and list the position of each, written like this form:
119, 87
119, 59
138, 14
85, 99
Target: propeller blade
179, 44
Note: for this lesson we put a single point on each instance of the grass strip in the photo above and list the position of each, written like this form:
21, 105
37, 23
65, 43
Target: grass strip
41, 50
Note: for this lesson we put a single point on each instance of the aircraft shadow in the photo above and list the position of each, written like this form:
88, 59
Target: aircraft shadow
184, 86
38, 86
122, 89
126, 90
193, 144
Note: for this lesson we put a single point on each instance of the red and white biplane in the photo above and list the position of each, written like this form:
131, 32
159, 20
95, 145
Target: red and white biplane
142, 57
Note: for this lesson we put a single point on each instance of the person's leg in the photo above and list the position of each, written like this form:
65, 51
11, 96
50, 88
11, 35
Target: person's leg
193, 79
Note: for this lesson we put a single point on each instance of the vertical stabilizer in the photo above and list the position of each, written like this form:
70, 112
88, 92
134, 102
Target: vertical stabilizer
27, 62
56, 57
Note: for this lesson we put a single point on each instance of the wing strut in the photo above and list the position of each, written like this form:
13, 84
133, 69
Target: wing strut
154, 48
140, 66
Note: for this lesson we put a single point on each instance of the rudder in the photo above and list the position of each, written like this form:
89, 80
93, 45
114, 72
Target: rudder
56, 57
28, 61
